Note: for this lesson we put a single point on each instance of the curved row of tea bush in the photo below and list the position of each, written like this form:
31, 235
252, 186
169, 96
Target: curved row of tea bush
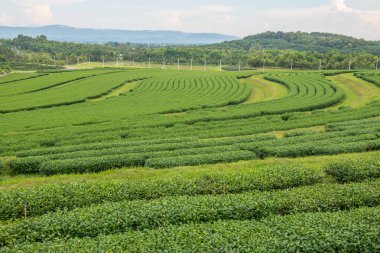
65, 196
305, 91
14, 77
45, 80
195, 152
88, 134
322, 94
353, 231
85, 136
111, 218
370, 77
354, 170
66, 93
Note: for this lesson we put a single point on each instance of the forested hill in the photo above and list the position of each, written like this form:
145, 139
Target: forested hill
319, 42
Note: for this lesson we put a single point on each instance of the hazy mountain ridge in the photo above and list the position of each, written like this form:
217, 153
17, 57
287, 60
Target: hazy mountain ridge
89, 35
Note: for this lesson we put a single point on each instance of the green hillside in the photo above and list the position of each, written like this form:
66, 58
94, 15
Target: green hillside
320, 42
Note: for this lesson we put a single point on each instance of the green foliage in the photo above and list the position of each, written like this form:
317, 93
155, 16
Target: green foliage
186, 160
167, 118
311, 42
5, 69
25, 166
140, 215
354, 170
371, 77
354, 231
275, 49
136, 130
49, 90
52, 197
2, 166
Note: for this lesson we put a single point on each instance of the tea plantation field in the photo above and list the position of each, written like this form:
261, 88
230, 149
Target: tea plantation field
157, 160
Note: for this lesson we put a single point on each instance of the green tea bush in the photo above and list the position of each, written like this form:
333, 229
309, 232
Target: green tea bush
353, 231
93, 164
354, 170
26, 165
120, 217
48, 198
190, 160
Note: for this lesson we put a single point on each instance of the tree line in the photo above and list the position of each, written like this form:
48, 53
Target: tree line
40, 50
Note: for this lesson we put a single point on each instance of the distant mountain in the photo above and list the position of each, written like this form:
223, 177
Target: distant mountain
319, 42
87, 35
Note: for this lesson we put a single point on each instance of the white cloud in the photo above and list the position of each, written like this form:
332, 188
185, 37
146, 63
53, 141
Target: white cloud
335, 17
39, 14
203, 15
340, 6
45, 2
4, 19
170, 19
213, 8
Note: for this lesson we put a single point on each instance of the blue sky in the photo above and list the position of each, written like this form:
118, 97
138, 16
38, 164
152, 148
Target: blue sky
359, 18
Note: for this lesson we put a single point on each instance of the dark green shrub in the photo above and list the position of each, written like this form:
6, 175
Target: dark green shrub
354, 170
111, 218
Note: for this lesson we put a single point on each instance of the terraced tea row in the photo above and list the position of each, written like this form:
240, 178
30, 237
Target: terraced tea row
13, 77
83, 136
373, 77
46, 198
44, 81
77, 192
140, 215
191, 138
125, 108
349, 231
360, 136
179, 204
66, 93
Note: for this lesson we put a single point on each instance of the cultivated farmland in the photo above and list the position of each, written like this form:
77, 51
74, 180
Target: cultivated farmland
134, 160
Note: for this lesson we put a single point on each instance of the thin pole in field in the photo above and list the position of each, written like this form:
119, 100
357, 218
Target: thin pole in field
291, 64
149, 62
178, 63
54, 60
163, 62
263, 65
205, 67
191, 64
103, 61
25, 211
320, 64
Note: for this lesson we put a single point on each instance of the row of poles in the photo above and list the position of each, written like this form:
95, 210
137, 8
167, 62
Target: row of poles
149, 63
320, 64
205, 63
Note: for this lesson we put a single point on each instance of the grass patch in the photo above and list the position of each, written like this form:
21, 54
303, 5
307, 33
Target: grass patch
358, 92
264, 90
